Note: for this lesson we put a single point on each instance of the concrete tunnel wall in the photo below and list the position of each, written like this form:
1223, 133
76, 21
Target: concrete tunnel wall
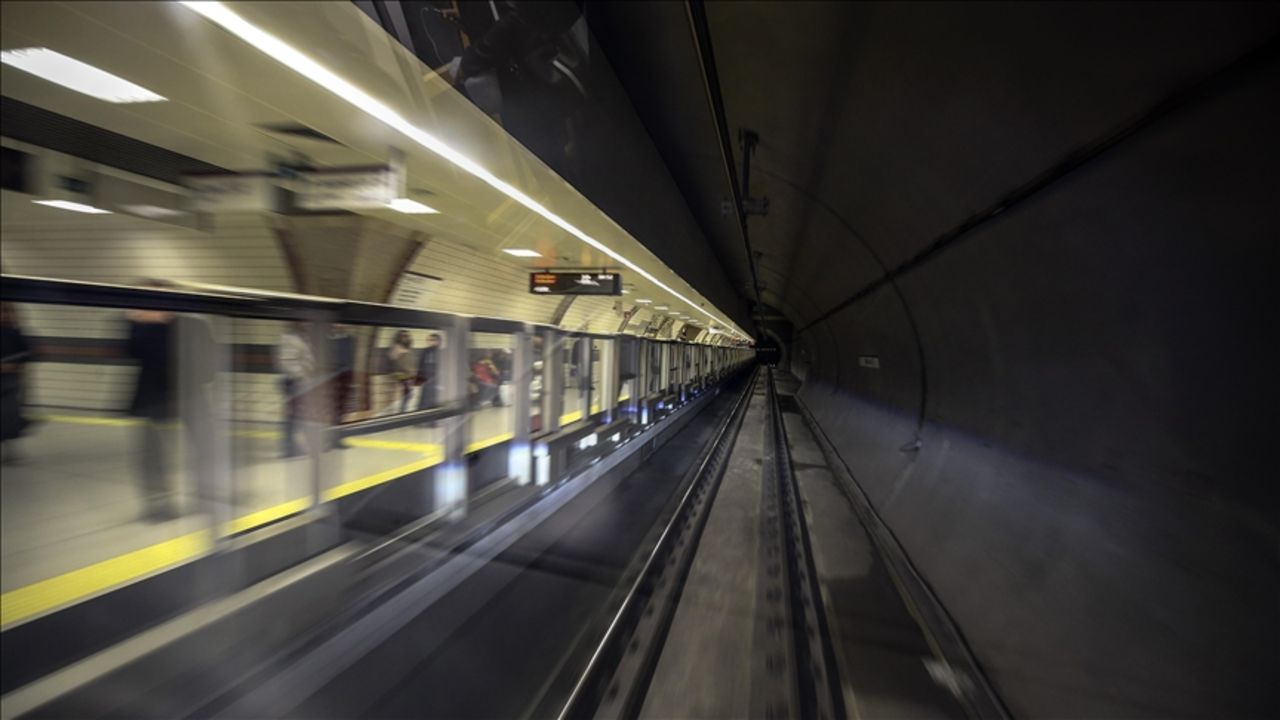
1095, 497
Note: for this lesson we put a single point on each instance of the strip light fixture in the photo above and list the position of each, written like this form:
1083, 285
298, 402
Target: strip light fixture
72, 206
411, 207
295, 60
76, 75
522, 252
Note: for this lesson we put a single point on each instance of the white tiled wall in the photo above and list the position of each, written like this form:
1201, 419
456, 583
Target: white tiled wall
241, 250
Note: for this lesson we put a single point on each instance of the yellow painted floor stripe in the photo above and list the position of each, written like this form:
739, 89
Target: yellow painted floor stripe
369, 481
262, 517
76, 585
574, 416
488, 442
424, 448
91, 420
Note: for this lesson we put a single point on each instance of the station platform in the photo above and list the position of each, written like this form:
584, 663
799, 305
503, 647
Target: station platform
73, 517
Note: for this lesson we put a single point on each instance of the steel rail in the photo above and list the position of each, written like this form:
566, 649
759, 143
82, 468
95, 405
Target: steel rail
600, 680
815, 689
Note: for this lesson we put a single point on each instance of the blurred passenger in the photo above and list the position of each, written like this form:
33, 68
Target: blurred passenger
428, 372
162, 397
502, 362
484, 374
342, 356
400, 358
297, 363
573, 348
14, 355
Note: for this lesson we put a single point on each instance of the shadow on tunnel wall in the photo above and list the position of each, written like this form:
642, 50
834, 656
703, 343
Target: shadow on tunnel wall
1094, 497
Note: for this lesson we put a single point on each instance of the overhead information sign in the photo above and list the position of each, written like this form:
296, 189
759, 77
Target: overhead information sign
575, 283
348, 189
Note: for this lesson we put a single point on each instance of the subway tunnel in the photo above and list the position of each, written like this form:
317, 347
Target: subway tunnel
976, 300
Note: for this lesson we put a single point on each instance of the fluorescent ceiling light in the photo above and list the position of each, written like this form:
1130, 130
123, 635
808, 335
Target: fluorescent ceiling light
660, 307
81, 77
300, 63
73, 206
522, 252
411, 207
643, 301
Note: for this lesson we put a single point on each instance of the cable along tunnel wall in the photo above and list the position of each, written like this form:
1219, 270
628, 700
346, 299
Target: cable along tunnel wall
1091, 494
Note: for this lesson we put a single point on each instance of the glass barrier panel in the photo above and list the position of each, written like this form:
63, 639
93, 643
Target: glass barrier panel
271, 392
393, 371
107, 423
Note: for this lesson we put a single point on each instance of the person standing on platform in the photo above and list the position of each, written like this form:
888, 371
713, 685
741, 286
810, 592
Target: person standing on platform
297, 363
162, 398
342, 356
14, 355
403, 368
428, 377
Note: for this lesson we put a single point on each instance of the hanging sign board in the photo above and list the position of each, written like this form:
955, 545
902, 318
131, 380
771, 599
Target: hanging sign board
575, 283
240, 192
413, 290
346, 189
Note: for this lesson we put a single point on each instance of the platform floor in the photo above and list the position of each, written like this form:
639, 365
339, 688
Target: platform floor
75, 499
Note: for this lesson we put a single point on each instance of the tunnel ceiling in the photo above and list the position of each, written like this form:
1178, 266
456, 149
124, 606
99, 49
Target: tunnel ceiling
226, 102
886, 127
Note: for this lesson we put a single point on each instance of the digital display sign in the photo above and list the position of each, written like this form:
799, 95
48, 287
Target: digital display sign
575, 283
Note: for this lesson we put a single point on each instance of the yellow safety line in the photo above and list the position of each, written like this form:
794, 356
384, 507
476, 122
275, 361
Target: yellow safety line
262, 517
595, 409
570, 417
488, 442
76, 585
369, 481
91, 420
424, 448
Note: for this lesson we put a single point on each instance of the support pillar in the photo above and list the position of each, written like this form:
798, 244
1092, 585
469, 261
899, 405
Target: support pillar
451, 482
519, 458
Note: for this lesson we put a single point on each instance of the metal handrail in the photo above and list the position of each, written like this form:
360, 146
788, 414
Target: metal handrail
391, 422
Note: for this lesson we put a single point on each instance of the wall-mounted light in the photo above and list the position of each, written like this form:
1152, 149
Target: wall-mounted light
75, 75
152, 211
72, 206
411, 207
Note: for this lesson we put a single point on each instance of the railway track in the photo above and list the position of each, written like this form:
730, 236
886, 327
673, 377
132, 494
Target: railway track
792, 665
